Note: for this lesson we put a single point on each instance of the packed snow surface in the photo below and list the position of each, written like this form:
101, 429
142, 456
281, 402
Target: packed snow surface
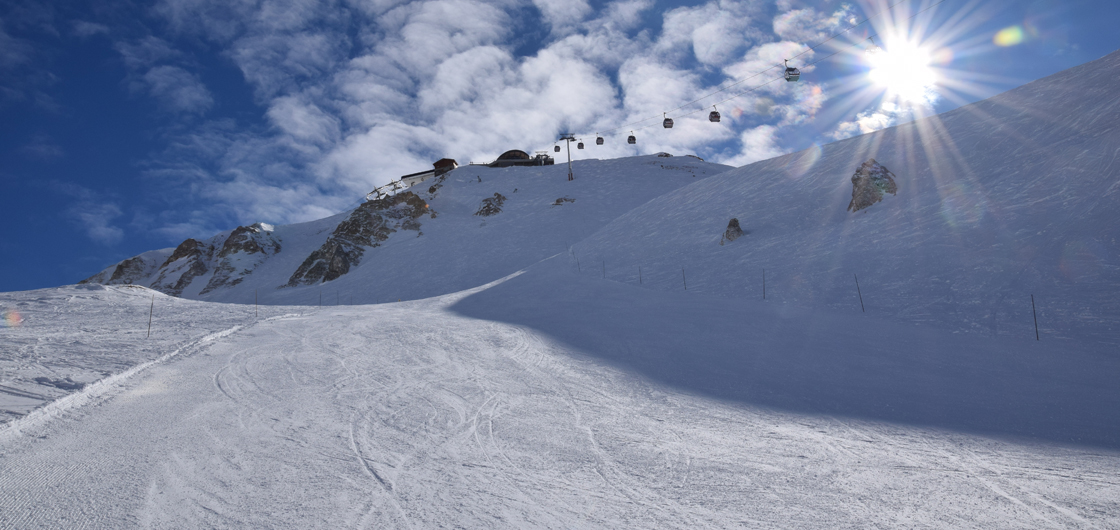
521, 404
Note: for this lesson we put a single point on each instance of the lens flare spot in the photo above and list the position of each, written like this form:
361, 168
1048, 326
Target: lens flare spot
12, 318
799, 166
1081, 260
961, 206
1011, 36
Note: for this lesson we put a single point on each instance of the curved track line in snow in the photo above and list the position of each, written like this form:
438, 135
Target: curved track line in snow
90, 393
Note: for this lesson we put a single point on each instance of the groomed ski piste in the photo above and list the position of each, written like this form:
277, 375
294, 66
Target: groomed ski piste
570, 392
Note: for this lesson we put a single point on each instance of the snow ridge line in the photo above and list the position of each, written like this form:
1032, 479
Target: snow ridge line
54, 409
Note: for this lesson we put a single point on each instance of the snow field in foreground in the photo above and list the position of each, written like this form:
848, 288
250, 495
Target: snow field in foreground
70, 337
524, 404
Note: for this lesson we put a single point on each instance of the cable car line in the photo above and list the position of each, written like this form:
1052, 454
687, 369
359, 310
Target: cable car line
791, 76
759, 86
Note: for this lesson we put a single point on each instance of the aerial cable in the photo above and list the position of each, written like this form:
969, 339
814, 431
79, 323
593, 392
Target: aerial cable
820, 60
741, 81
807, 50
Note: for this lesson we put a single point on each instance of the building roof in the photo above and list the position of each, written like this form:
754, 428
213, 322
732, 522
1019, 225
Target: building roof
514, 154
418, 173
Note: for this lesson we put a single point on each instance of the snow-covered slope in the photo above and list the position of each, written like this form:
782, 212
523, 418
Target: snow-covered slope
393, 253
554, 400
1012, 196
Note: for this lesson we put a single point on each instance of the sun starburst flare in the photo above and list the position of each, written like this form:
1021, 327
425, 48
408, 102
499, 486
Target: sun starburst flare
904, 70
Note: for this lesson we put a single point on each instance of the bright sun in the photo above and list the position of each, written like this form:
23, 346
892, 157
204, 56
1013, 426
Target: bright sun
904, 71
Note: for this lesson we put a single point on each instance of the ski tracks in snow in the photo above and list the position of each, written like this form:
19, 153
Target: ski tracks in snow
407, 416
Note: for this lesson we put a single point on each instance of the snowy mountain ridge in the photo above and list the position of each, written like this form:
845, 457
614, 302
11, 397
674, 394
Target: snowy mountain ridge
465, 228
956, 220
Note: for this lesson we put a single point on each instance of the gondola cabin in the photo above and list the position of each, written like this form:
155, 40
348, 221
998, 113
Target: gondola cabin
792, 74
599, 140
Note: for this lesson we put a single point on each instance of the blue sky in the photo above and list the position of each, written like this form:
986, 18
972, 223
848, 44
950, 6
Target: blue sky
129, 127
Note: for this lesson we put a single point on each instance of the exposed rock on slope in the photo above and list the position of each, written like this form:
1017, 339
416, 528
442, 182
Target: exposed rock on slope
491, 205
368, 225
733, 231
244, 249
130, 270
869, 183
183, 266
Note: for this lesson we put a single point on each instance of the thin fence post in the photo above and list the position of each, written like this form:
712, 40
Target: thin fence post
639, 274
684, 279
150, 311
859, 293
1035, 313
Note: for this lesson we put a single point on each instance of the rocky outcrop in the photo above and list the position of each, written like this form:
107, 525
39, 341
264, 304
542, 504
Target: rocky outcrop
561, 200
869, 183
128, 271
437, 184
491, 205
366, 227
244, 250
186, 263
733, 232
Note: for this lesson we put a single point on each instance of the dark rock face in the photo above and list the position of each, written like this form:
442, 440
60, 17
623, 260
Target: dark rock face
189, 259
437, 184
869, 183
369, 225
127, 271
186, 249
733, 231
491, 205
244, 249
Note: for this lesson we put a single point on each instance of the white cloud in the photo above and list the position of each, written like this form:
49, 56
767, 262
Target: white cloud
178, 90
43, 147
83, 28
13, 51
561, 14
865, 122
715, 32
93, 213
809, 26
624, 15
358, 92
759, 143
146, 52
304, 121
97, 220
